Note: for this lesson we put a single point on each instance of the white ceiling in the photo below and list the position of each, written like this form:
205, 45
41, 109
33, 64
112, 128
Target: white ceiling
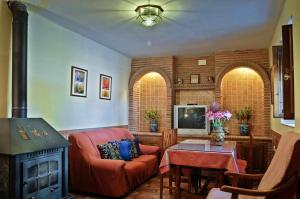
189, 27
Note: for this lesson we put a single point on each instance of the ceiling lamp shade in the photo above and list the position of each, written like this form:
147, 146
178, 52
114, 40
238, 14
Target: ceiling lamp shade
149, 15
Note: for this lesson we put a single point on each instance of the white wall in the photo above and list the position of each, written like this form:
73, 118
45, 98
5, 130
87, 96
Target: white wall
5, 58
291, 8
52, 50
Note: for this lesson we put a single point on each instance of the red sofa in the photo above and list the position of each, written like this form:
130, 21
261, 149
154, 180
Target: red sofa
114, 178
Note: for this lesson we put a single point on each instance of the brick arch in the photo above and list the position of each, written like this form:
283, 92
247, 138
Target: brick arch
134, 116
267, 87
143, 71
257, 68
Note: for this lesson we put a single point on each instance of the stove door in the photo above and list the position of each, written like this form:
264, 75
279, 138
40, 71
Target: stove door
42, 177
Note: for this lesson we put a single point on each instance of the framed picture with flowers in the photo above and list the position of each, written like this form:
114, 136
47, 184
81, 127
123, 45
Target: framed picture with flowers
105, 87
78, 82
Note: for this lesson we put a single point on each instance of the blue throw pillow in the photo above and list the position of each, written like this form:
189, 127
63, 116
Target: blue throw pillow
134, 151
125, 150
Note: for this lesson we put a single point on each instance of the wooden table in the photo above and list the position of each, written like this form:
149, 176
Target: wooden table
198, 154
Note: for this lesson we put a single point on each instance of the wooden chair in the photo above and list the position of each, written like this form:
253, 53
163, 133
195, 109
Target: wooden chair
279, 181
169, 138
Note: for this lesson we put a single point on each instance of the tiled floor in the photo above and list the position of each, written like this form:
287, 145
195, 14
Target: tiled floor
148, 190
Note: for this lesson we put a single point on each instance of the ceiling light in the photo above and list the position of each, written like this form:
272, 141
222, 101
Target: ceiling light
149, 15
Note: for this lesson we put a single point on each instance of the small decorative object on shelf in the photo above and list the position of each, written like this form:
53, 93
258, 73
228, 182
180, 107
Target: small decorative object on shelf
153, 116
195, 79
211, 79
194, 86
244, 115
217, 118
179, 80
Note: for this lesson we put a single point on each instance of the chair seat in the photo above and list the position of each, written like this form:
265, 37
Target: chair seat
216, 193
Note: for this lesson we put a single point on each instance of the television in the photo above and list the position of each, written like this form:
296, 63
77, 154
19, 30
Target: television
190, 119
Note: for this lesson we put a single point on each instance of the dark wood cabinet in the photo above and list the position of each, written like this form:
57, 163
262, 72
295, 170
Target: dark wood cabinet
261, 151
262, 147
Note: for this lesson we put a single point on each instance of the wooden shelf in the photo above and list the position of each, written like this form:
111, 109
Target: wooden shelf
194, 86
206, 136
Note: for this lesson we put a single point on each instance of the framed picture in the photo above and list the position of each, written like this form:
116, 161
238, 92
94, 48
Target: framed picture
79, 82
105, 87
195, 79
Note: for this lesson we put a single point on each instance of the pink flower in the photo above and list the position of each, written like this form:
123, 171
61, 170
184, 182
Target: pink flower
217, 117
227, 114
215, 107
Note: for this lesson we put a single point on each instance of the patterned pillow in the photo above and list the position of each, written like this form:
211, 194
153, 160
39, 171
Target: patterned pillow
114, 150
104, 151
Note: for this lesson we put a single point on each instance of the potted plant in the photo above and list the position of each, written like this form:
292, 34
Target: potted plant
244, 115
153, 116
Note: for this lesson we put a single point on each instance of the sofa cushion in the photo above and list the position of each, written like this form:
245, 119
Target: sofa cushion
150, 161
104, 151
125, 150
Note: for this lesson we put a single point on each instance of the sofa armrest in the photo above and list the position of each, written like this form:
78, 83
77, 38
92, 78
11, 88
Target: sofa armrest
147, 150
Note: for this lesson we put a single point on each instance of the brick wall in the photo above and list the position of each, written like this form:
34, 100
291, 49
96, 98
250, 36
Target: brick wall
139, 68
172, 68
195, 97
135, 114
258, 56
185, 66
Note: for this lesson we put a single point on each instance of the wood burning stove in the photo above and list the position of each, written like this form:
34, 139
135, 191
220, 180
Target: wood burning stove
33, 155
33, 160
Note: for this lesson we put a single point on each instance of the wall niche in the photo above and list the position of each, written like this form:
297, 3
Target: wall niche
149, 92
242, 87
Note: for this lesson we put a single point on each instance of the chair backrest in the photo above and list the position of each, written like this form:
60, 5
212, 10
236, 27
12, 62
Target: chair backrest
250, 152
285, 162
168, 138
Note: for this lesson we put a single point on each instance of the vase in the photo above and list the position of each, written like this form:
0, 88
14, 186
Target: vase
217, 136
153, 126
244, 129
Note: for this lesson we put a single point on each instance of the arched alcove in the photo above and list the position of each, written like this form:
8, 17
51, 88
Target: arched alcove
242, 87
267, 91
149, 92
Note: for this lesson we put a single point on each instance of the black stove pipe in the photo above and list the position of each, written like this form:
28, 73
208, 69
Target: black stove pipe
19, 59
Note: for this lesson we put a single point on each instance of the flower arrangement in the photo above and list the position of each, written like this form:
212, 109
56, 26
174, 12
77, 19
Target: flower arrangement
217, 117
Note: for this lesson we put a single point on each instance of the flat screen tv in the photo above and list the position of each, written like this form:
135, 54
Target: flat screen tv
190, 119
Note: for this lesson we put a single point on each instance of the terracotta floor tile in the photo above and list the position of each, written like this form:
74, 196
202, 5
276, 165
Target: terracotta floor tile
148, 190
